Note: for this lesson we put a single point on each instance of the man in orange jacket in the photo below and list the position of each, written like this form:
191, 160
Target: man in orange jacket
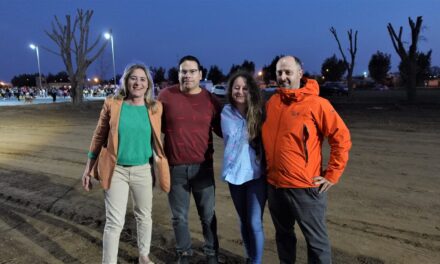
297, 121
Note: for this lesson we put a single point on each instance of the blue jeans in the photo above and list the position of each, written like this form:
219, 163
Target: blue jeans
197, 179
249, 200
307, 207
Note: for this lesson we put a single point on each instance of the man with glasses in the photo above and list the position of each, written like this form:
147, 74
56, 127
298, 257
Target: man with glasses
190, 113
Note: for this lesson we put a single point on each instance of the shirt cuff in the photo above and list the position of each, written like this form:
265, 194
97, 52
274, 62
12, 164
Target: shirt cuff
91, 155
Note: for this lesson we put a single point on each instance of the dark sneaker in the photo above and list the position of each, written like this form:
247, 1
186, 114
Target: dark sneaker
212, 259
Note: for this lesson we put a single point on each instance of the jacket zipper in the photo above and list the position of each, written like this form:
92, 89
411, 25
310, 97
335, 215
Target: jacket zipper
276, 137
305, 138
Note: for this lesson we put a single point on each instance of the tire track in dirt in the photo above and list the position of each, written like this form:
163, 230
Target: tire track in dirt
22, 217
40, 205
10, 217
46, 201
36, 157
416, 239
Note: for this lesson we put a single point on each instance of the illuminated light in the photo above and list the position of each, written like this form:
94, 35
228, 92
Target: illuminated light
109, 36
35, 47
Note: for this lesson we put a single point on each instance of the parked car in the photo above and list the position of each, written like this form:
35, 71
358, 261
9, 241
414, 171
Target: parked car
380, 87
333, 88
207, 85
219, 90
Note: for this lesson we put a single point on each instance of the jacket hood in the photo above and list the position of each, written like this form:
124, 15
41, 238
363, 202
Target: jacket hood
311, 87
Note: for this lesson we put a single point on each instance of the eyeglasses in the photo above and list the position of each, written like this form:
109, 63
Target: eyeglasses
191, 72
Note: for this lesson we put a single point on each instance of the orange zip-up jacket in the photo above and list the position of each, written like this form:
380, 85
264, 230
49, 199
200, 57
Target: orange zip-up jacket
297, 120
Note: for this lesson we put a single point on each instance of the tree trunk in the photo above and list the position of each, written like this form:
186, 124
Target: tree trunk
350, 84
76, 92
411, 85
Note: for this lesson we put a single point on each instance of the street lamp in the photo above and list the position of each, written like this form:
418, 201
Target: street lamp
35, 47
109, 35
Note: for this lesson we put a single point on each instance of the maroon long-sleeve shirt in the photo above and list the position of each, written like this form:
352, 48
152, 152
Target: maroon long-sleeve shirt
187, 123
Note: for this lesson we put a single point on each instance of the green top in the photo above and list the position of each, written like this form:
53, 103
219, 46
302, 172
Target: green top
134, 135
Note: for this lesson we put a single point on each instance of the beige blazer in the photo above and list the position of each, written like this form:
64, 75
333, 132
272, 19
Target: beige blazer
105, 138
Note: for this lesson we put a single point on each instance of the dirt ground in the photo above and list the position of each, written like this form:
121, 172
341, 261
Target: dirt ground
386, 208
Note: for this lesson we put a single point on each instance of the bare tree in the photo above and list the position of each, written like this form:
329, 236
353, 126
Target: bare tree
408, 58
72, 40
352, 50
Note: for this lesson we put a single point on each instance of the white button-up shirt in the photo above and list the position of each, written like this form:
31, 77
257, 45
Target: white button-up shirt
240, 163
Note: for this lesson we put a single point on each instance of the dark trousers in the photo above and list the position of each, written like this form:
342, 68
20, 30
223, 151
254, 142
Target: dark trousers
307, 207
249, 200
197, 179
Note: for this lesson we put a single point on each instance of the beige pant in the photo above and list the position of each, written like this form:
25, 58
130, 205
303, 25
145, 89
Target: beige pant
137, 181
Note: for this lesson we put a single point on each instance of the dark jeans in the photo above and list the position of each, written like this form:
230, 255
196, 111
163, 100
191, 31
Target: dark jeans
249, 200
307, 207
197, 179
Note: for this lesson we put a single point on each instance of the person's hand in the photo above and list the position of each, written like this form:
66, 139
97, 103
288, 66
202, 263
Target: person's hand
323, 182
87, 181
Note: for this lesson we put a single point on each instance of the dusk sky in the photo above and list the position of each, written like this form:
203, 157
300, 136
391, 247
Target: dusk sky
218, 32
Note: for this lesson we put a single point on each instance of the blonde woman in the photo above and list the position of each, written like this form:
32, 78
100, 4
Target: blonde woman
128, 131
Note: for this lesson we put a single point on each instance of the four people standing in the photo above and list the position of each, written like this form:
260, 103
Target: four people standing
297, 120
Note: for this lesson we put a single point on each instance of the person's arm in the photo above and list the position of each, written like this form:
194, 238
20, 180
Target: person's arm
99, 139
86, 179
333, 127
100, 135
163, 100
216, 121
157, 135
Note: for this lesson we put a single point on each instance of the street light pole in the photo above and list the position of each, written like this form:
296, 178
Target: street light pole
35, 47
110, 36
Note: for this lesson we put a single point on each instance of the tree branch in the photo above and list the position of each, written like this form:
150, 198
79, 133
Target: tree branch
99, 52
415, 32
89, 15
353, 48
51, 51
397, 41
333, 31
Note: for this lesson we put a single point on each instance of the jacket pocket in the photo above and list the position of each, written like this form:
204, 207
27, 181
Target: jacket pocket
104, 163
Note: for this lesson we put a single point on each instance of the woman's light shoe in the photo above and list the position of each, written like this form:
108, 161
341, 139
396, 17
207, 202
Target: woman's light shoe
145, 260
